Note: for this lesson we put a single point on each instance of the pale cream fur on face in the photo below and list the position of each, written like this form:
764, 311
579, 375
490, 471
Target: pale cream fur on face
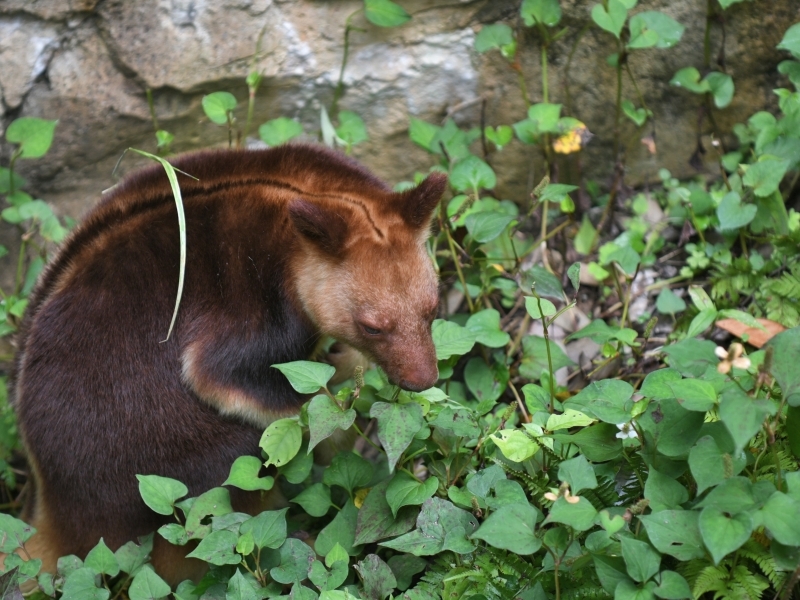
388, 284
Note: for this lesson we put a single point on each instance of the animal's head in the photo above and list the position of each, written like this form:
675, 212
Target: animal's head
365, 277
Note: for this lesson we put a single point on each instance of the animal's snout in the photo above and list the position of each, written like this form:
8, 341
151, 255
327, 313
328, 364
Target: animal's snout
420, 379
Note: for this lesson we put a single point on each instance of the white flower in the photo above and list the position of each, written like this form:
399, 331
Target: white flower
626, 430
731, 357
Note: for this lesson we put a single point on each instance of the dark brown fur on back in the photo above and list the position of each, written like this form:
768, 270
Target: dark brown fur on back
100, 398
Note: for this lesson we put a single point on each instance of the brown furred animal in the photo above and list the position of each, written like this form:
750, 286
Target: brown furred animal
284, 245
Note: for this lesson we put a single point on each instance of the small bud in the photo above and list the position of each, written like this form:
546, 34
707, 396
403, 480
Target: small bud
358, 375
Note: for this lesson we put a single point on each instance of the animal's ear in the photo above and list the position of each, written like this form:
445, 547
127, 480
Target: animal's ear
416, 206
326, 228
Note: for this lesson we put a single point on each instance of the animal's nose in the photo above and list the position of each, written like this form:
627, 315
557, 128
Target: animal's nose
420, 379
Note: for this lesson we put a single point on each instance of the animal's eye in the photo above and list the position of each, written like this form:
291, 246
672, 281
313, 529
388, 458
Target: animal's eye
370, 330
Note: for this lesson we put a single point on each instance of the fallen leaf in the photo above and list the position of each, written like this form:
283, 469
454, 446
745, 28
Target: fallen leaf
755, 337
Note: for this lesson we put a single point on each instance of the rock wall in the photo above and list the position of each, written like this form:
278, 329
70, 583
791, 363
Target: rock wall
89, 62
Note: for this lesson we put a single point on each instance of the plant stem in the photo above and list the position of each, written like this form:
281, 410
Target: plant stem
339, 91
152, 108
461, 278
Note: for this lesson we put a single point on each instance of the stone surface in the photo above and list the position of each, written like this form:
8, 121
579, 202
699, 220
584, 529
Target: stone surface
88, 63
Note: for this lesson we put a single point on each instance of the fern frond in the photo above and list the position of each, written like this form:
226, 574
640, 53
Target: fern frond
744, 583
712, 578
763, 558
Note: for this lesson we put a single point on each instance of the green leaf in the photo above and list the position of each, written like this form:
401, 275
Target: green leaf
515, 444
217, 548
472, 174
81, 585
500, 137
779, 516
568, 419
376, 521
404, 490
672, 586
33, 135
376, 576
160, 493
349, 471
637, 115
340, 531
693, 394
579, 516
722, 88
668, 30
296, 560
484, 226
279, 131
664, 493
244, 475
669, 303
325, 580
735, 495
611, 20
315, 500
545, 116
707, 463
299, 468
397, 426
268, 529
305, 376
511, 527
791, 40
148, 586
578, 473
485, 324
214, 502
325, 417
674, 429
640, 559
245, 544
218, 106
546, 12
423, 134
240, 588
404, 567
451, 338
351, 128
692, 357
132, 556
608, 400
486, 383
14, 533
766, 175
539, 307
723, 534
585, 237
786, 346
102, 560
385, 13
493, 36
732, 214
689, 78
675, 532
281, 441
440, 526
534, 359
742, 415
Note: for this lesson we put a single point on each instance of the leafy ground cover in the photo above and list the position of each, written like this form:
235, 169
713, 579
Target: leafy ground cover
618, 413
